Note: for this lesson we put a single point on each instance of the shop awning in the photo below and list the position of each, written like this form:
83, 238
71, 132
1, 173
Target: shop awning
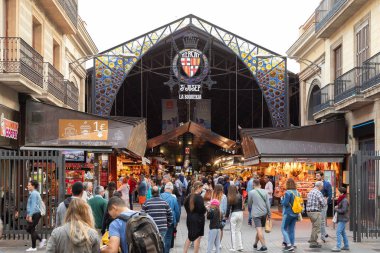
197, 130
51, 126
324, 142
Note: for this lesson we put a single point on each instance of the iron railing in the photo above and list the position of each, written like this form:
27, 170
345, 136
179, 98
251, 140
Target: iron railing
53, 82
324, 98
72, 95
16, 56
325, 11
348, 84
16, 169
364, 177
371, 72
71, 9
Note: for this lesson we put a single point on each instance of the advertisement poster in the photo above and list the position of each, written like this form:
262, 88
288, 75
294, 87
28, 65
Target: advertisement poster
169, 115
84, 130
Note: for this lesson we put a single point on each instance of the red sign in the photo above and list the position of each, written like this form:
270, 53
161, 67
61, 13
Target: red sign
190, 61
187, 151
8, 128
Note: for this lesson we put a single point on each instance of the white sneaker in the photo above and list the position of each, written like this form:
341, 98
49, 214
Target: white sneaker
42, 243
233, 250
31, 249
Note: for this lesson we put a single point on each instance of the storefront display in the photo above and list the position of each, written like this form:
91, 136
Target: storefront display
304, 175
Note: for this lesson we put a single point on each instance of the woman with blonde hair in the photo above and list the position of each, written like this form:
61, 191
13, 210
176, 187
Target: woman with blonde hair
78, 233
195, 221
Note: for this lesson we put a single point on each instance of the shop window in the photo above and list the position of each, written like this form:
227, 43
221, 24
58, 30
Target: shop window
37, 35
338, 61
56, 55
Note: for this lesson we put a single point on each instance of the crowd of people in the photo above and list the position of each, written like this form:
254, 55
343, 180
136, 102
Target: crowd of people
94, 217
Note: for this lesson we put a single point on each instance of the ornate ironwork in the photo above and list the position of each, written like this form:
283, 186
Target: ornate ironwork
268, 67
16, 56
72, 95
348, 84
53, 82
71, 9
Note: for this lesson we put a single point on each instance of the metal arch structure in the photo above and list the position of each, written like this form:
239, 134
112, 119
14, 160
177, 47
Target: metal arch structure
269, 68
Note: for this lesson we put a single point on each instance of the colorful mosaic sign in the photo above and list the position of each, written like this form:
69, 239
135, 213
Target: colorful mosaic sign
268, 67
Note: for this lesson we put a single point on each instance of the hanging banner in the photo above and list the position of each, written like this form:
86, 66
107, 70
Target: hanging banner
169, 115
202, 113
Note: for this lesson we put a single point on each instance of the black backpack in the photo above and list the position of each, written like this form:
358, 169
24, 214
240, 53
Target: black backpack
142, 234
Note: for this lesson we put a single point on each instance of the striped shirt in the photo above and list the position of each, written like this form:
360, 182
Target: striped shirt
160, 211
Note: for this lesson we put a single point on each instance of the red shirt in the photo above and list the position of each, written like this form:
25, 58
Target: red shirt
132, 185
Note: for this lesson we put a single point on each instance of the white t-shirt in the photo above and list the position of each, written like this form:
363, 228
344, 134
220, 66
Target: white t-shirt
269, 189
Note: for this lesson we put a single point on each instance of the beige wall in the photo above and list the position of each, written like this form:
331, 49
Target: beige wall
9, 98
72, 46
2, 18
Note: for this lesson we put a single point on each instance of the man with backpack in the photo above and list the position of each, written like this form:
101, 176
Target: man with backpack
77, 190
258, 199
128, 230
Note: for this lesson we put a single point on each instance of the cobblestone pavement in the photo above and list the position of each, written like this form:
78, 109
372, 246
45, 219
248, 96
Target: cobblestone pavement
274, 239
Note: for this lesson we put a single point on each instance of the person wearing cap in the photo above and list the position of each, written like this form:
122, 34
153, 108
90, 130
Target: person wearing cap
170, 198
214, 215
77, 191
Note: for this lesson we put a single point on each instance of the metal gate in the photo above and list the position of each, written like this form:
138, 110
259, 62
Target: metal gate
17, 168
365, 195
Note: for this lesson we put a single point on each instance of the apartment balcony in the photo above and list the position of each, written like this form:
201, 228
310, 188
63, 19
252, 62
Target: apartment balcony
347, 91
64, 13
72, 95
371, 77
324, 99
332, 14
54, 86
21, 67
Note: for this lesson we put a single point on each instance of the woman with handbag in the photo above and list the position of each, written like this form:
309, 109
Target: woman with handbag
289, 218
342, 209
235, 208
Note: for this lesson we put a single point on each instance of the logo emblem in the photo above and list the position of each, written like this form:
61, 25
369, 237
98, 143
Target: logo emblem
190, 61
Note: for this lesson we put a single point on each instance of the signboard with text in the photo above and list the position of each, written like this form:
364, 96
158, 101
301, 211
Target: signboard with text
83, 130
8, 128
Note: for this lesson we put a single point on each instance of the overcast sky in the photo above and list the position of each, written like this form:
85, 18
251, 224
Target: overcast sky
272, 24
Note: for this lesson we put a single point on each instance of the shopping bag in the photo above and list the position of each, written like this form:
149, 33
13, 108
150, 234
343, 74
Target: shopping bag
268, 226
299, 218
105, 238
335, 218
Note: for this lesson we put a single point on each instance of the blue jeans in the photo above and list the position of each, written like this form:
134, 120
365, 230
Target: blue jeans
131, 201
341, 232
168, 238
287, 228
250, 212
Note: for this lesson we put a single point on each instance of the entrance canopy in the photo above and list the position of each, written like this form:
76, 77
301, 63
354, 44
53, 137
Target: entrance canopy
195, 129
52, 126
324, 142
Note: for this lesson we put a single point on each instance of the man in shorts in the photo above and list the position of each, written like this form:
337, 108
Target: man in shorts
258, 200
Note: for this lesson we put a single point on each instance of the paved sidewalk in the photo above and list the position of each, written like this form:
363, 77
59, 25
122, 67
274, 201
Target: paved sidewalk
274, 239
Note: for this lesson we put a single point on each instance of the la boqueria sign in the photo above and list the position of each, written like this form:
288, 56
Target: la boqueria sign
50, 126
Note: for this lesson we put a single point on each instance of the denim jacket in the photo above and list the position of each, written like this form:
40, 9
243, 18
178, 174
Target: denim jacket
33, 205
287, 202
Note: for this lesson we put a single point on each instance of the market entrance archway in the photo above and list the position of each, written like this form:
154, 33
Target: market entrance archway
269, 68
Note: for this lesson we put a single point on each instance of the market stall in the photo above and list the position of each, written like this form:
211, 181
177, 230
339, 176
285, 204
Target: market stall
85, 141
297, 152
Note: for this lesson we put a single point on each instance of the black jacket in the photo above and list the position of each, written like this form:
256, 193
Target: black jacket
238, 206
215, 218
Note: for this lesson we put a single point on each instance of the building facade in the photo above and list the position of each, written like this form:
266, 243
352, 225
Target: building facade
38, 41
339, 55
